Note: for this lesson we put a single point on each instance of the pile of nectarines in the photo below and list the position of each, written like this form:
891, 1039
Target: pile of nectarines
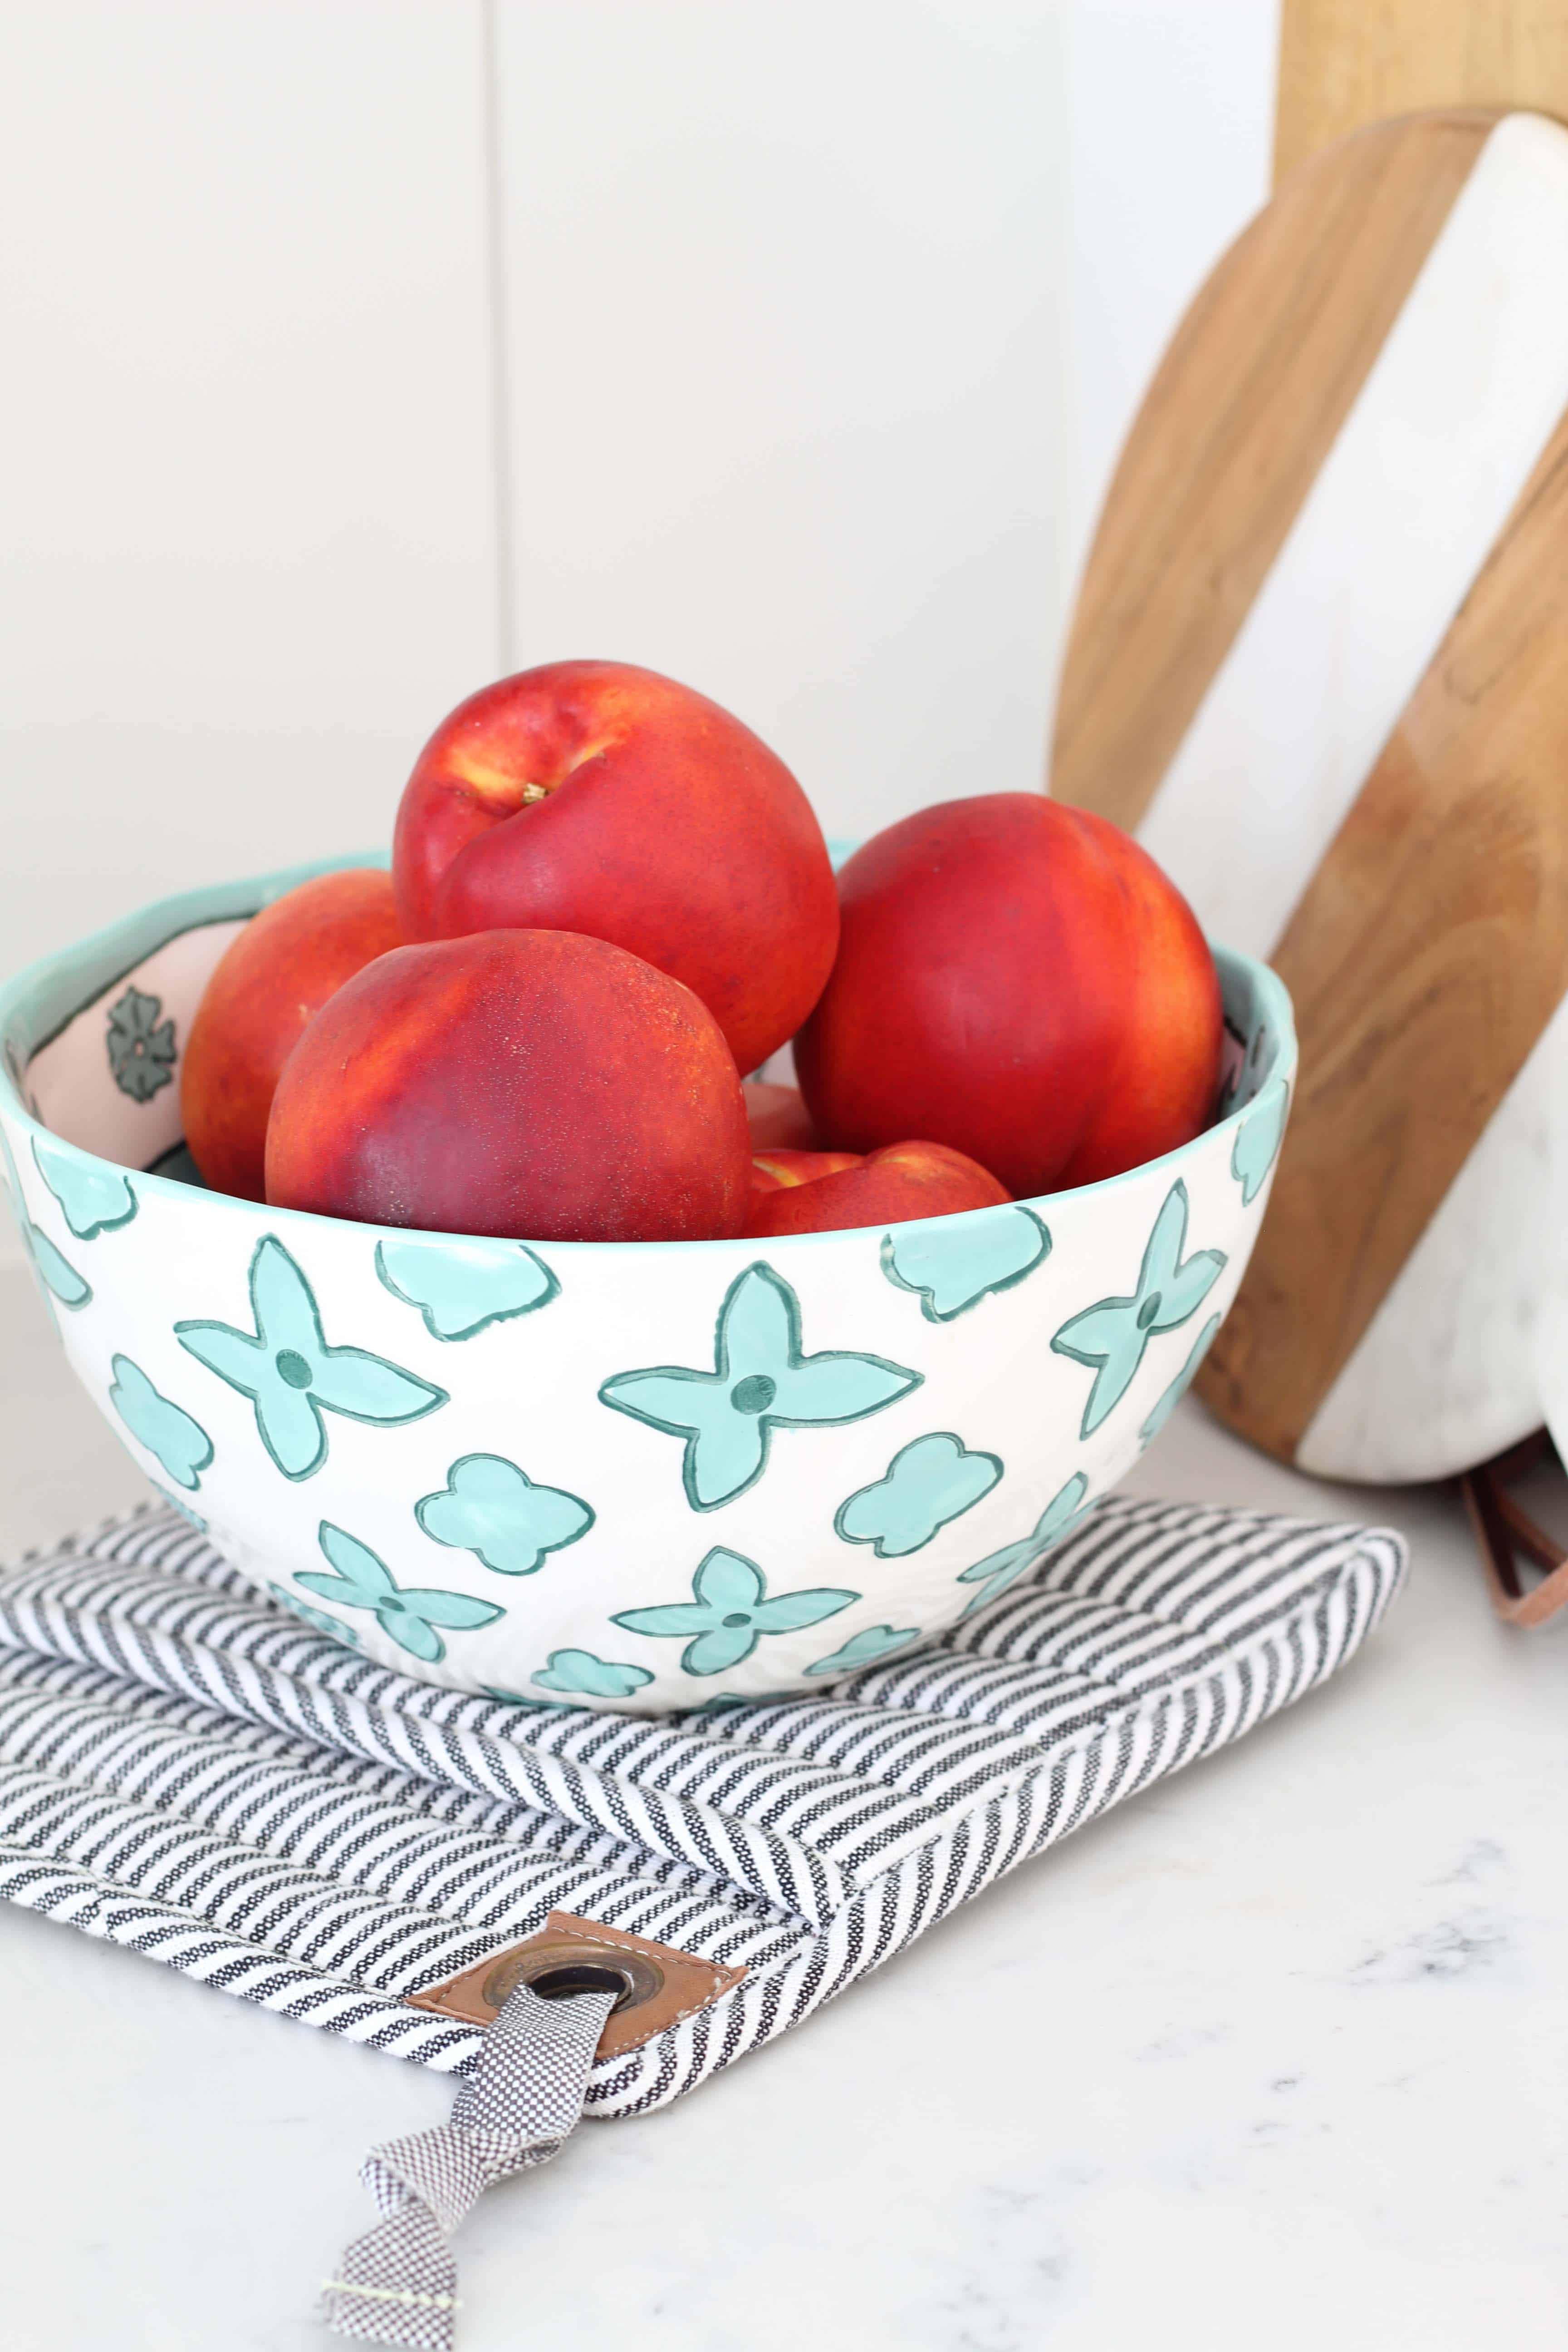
608, 901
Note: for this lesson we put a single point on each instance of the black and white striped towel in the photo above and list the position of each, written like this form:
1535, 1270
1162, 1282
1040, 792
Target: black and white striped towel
186, 1770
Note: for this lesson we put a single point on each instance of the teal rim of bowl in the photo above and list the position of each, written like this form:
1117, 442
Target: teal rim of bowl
49, 993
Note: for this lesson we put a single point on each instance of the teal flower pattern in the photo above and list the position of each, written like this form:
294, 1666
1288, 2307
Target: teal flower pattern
927, 1484
292, 1375
94, 1198
321, 1619
1000, 1569
1257, 1140
953, 1263
762, 1382
141, 1047
1112, 1335
57, 1273
56, 1276
492, 1508
1178, 1388
877, 1642
165, 1428
409, 1616
579, 1671
730, 1613
461, 1289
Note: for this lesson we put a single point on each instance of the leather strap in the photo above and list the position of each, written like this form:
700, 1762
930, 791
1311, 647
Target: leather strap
1503, 1531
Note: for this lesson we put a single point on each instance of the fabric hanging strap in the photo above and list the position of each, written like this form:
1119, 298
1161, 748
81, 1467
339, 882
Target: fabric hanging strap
398, 2283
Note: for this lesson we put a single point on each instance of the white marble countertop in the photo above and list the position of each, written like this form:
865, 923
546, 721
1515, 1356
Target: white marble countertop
1273, 2055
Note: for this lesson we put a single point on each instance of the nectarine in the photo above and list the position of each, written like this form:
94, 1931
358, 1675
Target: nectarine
538, 1085
591, 796
1016, 978
770, 1169
889, 1187
271, 980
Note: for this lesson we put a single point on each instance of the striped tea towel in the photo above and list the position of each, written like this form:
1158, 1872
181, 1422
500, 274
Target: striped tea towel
187, 1770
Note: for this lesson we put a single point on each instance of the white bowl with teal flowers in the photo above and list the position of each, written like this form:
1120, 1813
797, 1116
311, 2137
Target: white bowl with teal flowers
635, 1476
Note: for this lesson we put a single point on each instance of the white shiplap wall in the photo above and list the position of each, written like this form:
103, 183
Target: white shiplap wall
814, 329
784, 369
247, 545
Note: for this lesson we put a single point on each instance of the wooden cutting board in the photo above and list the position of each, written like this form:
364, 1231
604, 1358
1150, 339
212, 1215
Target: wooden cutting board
1319, 664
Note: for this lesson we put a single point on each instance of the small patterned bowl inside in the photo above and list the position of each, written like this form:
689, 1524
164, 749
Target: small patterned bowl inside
635, 1476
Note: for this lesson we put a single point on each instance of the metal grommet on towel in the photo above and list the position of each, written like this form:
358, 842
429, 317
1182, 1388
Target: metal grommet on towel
655, 1986
558, 1968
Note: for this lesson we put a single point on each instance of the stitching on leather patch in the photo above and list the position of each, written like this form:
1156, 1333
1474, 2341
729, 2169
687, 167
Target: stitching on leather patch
662, 1985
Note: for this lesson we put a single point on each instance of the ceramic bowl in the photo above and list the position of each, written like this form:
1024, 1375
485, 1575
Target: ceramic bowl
637, 1476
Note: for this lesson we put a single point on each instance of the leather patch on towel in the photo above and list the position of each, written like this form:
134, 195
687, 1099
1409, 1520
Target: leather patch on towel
660, 1986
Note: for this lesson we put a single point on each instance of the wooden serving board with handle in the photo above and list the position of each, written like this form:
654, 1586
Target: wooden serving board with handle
1319, 664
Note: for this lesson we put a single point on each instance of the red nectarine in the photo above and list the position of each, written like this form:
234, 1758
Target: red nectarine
591, 796
280, 972
770, 1169
889, 1187
1016, 978
535, 1084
